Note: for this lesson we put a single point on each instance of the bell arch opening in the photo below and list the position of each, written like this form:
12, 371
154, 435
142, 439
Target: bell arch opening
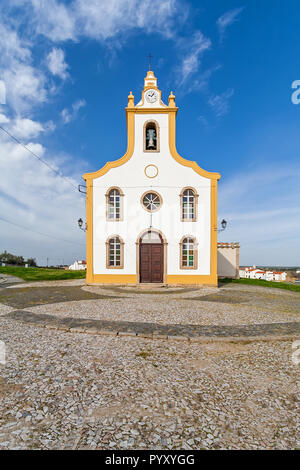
151, 136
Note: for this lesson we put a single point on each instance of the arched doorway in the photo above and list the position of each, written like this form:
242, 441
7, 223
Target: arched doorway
151, 257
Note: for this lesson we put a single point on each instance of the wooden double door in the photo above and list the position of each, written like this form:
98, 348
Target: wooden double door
151, 262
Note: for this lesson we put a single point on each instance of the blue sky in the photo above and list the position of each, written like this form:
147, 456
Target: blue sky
67, 68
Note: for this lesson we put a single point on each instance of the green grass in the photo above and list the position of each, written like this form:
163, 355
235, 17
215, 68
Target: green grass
41, 274
262, 283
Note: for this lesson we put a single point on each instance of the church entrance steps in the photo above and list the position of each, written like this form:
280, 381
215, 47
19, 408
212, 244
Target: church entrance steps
152, 285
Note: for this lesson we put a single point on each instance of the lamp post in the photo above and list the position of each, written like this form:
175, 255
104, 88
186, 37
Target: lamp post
223, 225
81, 226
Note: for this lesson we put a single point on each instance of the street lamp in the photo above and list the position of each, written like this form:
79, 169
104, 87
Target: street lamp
223, 225
80, 225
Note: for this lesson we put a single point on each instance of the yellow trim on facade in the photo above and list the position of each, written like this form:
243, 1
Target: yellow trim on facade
213, 233
184, 279
181, 160
113, 279
153, 110
151, 166
130, 147
191, 279
171, 279
89, 233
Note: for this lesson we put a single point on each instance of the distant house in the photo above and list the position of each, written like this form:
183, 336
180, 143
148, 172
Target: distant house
78, 265
254, 273
248, 273
260, 275
279, 276
269, 276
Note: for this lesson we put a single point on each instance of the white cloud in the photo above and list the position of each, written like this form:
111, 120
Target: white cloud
69, 115
12, 47
53, 19
192, 52
25, 128
102, 20
56, 63
220, 103
2, 92
227, 19
35, 197
24, 84
3, 119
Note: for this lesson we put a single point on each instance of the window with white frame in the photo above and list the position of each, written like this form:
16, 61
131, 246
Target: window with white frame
115, 255
114, 204
188, 253
188, 205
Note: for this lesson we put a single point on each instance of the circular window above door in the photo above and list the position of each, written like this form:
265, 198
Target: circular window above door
151, 201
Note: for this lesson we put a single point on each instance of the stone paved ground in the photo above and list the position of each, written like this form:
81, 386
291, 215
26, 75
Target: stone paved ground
76, 390
206, 306
146, 329
28, 296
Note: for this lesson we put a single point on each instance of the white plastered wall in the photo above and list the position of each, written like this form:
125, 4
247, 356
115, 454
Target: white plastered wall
228, 261
131, 178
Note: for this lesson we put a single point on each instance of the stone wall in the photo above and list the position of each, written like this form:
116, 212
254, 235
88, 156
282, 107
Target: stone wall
228, 260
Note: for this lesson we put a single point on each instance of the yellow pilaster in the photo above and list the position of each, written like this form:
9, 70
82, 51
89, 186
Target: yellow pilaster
89, 232
214, 233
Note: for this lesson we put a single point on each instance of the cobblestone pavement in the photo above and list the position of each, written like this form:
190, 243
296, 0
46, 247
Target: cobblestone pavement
80, 391
82, 325
66, 389
29, 296
7, 280
232, 305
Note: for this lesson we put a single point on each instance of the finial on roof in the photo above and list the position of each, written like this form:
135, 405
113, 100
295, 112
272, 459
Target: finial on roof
130, 100
172, 100
150, 79
150, 57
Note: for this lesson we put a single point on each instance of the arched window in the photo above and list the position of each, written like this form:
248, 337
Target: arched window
189, 199
115, 253
151, 136
151, 237
114, 209
188, 253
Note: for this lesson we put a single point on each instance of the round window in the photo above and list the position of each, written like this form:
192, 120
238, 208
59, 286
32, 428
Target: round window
151, 201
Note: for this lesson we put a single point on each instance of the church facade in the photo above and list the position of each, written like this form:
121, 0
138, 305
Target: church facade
152, 214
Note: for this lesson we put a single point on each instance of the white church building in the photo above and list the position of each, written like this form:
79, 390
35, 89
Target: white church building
152, 214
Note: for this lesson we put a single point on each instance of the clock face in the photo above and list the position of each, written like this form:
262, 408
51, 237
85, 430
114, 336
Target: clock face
151, 96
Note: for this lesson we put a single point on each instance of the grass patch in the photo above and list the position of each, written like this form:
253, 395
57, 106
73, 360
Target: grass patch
261, 283
41, 274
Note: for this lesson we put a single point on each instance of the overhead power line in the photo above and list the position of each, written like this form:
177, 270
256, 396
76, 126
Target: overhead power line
39, 158
40, 233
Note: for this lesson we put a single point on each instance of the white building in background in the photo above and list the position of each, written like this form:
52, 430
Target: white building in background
78, 265
279, 276
152, 214
254, 273
269, 276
